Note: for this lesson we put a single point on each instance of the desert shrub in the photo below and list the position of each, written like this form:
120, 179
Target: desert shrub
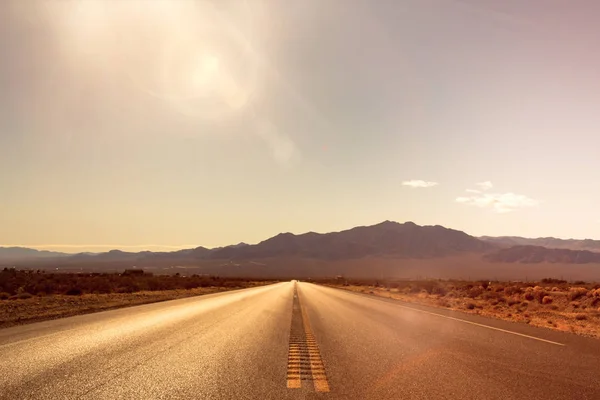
24, 295
414, 288
74, 291
13, 282
539, 293
581, 317
499, 289
470, 306
552, 280
575, 304
510, 290
474, 292
429, 286
555, 289
546, 300
529, 296
512, 301
577, 292
492, 296
443, 303
100, 286
4, 296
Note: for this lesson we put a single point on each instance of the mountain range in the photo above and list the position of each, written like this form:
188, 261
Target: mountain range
384, 241
549, 242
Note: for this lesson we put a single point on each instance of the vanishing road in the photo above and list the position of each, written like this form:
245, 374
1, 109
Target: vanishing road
293, 341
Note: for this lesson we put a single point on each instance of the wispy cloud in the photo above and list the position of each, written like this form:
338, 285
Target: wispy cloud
499, 202
487, 185
416, 183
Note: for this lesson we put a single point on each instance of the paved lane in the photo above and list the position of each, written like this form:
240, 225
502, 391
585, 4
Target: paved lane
376, 348
222, 346
287, 341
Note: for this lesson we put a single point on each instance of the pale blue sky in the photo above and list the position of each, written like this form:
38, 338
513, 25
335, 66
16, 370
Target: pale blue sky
177, 123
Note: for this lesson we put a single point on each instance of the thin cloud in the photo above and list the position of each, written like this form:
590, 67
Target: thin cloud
472, 191
487, 185
499, 202
416, 183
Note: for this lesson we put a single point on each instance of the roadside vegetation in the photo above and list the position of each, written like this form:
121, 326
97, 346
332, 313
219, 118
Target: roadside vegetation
29, 296
551, 303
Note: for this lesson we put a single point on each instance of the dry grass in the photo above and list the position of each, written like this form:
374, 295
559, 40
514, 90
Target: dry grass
562, 307
39, 308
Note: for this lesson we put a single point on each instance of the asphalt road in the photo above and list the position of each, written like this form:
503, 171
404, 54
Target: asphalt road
288, 341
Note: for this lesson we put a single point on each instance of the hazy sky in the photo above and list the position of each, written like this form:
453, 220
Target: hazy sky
176, 123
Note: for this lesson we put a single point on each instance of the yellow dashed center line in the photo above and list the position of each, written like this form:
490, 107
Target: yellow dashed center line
314, 356
293, 373
304, 357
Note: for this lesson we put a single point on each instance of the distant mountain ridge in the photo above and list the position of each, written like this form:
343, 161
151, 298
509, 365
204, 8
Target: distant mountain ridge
549, 242
539, 254
392, 239
386, 240
24, 252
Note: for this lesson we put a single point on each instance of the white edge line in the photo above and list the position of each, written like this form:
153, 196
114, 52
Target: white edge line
483, 326
465, 321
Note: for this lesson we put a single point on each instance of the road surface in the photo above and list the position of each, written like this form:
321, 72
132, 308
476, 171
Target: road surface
293, 341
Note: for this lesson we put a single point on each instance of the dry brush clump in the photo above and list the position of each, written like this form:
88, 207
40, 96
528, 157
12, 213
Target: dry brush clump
16, 284
577, 292
68, 294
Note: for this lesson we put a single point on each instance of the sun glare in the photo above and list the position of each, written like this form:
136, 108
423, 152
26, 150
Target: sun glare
206, 72
189, 53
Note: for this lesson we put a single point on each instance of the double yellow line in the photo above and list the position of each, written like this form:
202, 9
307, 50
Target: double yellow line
305, 346
314, 355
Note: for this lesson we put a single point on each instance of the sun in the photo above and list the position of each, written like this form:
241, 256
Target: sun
206, 73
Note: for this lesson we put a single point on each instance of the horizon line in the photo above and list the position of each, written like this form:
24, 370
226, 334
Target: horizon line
113, 246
